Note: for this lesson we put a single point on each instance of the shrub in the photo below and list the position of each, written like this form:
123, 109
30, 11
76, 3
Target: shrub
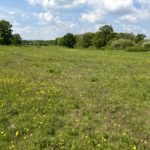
121, 44
146, 44
16, 39
87, 40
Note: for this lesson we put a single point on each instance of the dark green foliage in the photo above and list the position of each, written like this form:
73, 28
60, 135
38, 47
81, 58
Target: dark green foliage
140, 37
98, 40
106, 29
16, 39
87, 40
5, 32
128, 36
69, 40
105, 34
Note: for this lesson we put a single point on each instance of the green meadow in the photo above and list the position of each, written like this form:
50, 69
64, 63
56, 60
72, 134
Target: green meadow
55, 98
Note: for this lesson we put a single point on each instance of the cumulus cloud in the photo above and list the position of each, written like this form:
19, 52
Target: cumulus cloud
79, 15
57, 3
46, 17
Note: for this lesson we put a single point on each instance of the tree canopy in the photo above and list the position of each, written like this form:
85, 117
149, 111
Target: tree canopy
69, 40
16, 39
5, 32
6, 36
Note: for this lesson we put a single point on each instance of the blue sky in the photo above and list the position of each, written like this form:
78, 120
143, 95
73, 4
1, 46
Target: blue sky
48, 19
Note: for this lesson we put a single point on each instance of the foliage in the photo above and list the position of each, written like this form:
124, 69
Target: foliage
104, 35
69, 40
98, 40
79, 39
5, 32
121, 44
39, 42
146, 44
16, 39
60, 41
140, 37
87, 40
127, 36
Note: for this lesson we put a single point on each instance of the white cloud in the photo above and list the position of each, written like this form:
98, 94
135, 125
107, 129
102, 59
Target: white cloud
30, 32
133, 28
44, 3
57, 3
92, 16
136, 16
62, 16
46, 17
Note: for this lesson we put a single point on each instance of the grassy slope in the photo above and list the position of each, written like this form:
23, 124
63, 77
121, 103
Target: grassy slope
56, 98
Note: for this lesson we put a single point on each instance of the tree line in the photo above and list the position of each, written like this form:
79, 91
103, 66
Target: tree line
104, 38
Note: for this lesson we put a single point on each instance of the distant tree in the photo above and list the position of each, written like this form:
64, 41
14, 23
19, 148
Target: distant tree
87, 40
105, 34
79, 41
98, 40
69, 40
16, 39
128, 36
5, 32
121, 44
60, 41
140, 37
106, 29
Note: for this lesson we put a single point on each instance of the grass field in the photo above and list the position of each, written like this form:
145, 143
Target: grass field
53, 98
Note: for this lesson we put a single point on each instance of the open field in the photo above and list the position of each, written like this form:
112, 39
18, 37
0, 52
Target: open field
54, 98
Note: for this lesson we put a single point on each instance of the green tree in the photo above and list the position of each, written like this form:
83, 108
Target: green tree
98, 40
69, 40
5, 32
105, 34
16, 39
60, 41
128, 36
87, 40
140, 37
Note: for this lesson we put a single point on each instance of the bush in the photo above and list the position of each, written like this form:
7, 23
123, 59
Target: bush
87, 40
121, 44
146, 44
16, 39
137, 49
69, 40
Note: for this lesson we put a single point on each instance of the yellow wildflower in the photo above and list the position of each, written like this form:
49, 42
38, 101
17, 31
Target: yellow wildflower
17, 133
145, 142
134, 147
124, 133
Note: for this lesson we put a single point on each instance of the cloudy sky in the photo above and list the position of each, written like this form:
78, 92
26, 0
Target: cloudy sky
48, 19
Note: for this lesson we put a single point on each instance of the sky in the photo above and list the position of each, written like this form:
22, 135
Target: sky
48, 19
